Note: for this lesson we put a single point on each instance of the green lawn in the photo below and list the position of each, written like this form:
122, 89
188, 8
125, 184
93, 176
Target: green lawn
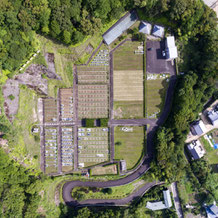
155, 96
129, 146
128, 109
126, 59
25, 143
211, 153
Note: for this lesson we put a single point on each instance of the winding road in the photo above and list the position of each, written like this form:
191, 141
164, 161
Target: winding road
137, 172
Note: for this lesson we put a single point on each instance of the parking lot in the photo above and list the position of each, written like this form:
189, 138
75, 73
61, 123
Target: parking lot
93, 147
155, 61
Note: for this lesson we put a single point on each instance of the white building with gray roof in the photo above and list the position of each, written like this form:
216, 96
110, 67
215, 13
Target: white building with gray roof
158, 31
145, 28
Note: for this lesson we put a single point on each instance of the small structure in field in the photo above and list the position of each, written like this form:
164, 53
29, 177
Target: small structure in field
145, 28
158, 31
196, 149
170, 48
122, 165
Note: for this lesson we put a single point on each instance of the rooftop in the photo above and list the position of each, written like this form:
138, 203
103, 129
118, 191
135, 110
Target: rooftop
199, 128
145, 27
213, 115
196, 149
120, 27
158, 31
171, 49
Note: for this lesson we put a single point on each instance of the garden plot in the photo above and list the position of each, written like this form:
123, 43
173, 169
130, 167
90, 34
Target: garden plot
105, 170
101, 59
66, 101
51, 150
93, 146
156, 91
93, 101
50, 110
128, 94
67, 148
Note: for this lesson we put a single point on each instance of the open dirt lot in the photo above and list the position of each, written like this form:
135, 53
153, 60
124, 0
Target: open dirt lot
128, 85
106, 170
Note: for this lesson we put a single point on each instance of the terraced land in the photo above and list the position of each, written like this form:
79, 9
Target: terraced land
93, 146
51, 150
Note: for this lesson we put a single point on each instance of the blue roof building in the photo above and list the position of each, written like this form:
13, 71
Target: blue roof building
120, 27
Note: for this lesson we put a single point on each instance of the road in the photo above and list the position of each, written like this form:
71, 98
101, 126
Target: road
176, 200
142, 168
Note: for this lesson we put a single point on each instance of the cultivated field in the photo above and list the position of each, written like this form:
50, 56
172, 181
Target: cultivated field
67, 148
66, 101
51, 160
155, 96
92, 146
128, 94
50, 110
129, 145
106, 170
128, 85
125, 57
93, 101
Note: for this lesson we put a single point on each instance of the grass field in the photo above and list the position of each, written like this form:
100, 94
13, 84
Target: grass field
211, 153
126, 59
155, 97
106, 170
84, 193
129, 145
128, 109
26, 144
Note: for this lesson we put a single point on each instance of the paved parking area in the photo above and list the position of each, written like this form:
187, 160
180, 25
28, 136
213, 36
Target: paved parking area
155, 62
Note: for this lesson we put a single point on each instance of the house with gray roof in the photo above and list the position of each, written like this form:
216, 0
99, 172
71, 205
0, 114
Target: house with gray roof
120, 27
212, 211
196, 149
160, 205
158, 31
213, 116
145, 27
198, 128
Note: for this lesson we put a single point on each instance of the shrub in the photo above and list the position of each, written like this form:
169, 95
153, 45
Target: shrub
11, 97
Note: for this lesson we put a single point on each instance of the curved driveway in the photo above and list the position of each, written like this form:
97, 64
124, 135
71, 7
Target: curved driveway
139, 171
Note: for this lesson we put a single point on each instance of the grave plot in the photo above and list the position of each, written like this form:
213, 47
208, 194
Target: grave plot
92, 75
51, 150
101, 59
67, 148
66, 103
93, 146
50, 110
93, 101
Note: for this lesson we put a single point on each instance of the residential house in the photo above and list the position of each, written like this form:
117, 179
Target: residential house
145, 28
198, 128
196, 149
170, 48
158, 31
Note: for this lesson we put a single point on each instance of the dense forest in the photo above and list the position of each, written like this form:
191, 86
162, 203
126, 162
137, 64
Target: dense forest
69, 22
